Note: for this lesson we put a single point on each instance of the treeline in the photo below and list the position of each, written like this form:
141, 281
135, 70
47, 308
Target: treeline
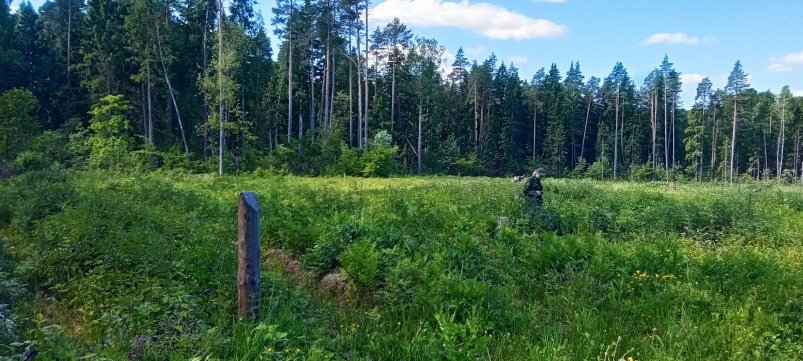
191, 84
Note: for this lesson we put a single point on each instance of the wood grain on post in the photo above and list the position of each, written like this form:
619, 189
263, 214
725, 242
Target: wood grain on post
248, 282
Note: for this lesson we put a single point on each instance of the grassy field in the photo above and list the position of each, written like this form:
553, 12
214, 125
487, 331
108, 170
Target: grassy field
109, 266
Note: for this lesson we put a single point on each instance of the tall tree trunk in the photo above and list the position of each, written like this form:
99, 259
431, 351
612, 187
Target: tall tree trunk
325, 92
144, 102
359, 92
481, 132
69, 45
367, 103
714, 145
622, 134
733, 140
654, 126
168, 112
150, 105
221, 135
205, 114
476, 124
420, 128
332, 75
666, 134
332, 85
585, 130
797, 154
290, 73
674, 99
535, 128
311, 93
702, 132
616, 135
764, 138
393, 96
173, 97
351, 111
781, 141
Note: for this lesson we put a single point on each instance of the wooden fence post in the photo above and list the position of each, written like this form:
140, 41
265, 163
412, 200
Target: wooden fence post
248, 282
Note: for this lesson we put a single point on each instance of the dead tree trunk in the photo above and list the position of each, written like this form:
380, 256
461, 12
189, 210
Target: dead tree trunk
222, 138
733, 140
173, 97
585, 129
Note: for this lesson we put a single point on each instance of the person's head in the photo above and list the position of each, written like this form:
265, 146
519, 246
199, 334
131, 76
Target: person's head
538, 173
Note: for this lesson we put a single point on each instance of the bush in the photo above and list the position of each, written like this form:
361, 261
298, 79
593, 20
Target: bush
379, 161
579, 170
468, 166
600, 169
17, 123
110, 144
349, 162
30, 160
640, 172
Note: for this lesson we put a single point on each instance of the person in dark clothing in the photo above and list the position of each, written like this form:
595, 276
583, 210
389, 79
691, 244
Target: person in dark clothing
533, 189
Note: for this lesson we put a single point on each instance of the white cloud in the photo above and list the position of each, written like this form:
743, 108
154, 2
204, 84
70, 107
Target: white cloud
674, 38
689, 87
798, 93
14, 8
475, 52
691, 79
518, 59
446, 62
484, 18
786, 62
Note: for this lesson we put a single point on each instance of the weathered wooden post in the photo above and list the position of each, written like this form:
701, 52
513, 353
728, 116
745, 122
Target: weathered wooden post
248, 282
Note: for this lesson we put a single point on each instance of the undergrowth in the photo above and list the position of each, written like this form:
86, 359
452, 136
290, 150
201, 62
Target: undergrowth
112, 266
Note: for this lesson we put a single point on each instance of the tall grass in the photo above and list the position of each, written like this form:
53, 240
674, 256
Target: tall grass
118, 264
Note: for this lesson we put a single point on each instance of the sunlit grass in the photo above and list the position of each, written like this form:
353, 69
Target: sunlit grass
605, 271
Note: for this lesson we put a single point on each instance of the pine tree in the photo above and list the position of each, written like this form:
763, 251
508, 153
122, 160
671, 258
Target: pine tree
555, 139
737, 84
390, 44
9, 58
102, 68
695, 133
782, 110
573, 90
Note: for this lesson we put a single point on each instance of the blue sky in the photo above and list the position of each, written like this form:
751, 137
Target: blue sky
701, 38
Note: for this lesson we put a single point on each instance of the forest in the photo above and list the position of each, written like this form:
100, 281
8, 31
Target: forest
144, 84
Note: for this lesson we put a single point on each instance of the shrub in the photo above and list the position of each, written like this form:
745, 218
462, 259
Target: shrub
110, 145
640, 172
379, 161
17, 123
468, 165
600, 169
579, 170
349, 162
30, 160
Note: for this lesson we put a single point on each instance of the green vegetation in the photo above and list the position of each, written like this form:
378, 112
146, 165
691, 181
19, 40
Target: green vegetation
109, 266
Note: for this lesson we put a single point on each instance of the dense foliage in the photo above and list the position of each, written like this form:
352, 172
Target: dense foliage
205, 91
109, 266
